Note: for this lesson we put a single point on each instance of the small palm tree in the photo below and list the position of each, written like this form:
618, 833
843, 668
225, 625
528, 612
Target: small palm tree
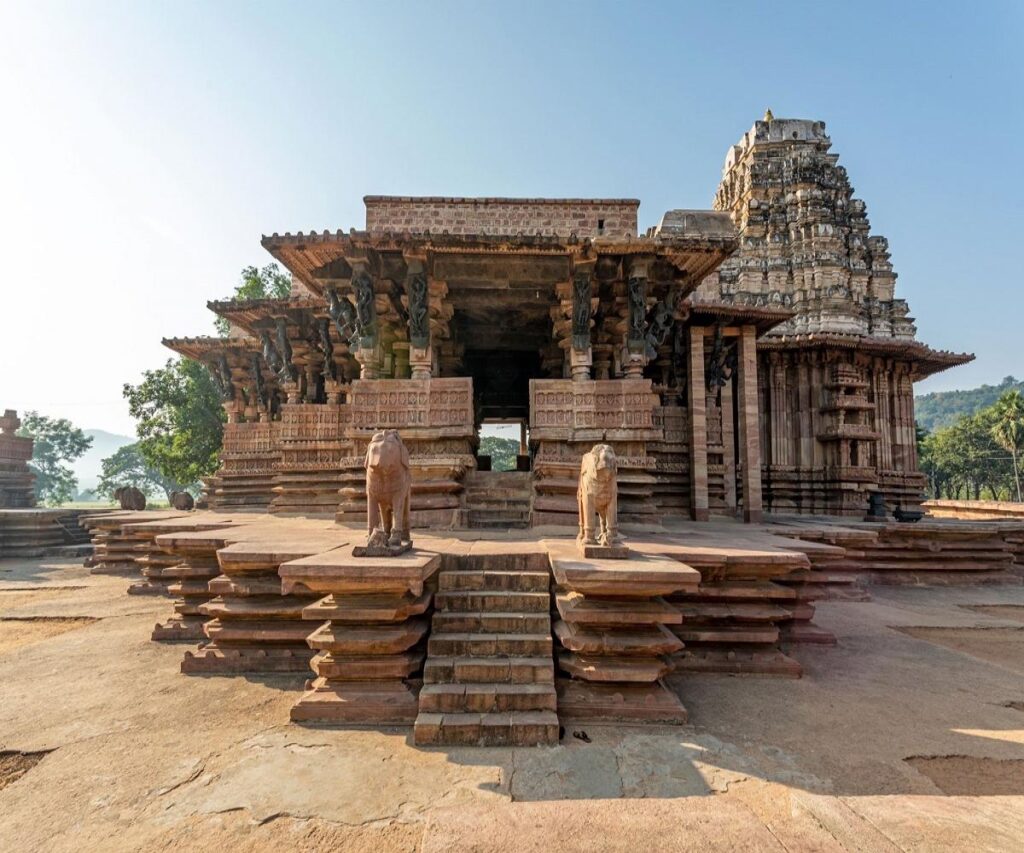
1008, 428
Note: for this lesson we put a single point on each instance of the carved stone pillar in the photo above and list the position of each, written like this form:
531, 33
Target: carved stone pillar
581, 353
634, 358
417, 293
332, 390
749, 434
728, 448
698, 427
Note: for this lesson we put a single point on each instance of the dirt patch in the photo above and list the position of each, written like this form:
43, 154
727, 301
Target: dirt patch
966, 776
1000, 611
13, 597
14, 765
15, 632
1003, 646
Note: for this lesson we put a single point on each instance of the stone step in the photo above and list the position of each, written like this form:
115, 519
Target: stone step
502, 601
495, 506
498, 523
480, 581
491, 623
488, 670
516, 728
487, 698
484, 645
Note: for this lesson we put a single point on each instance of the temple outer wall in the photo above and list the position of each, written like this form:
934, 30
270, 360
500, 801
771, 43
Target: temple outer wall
501, 216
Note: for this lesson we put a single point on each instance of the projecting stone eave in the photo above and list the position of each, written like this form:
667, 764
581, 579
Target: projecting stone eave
707, 312
202, 346
925, 360
307, 256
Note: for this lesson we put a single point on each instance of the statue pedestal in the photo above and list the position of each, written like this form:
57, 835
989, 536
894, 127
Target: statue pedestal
373, 624
604, 552
615, 643
381, 550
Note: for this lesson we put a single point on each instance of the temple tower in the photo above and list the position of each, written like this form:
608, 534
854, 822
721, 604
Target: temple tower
836, 379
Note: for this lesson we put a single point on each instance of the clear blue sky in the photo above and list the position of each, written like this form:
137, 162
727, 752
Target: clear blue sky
149, 145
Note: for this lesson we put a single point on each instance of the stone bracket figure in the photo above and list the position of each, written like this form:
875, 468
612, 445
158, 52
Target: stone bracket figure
419, 313
388, 492
343, 314
597, 497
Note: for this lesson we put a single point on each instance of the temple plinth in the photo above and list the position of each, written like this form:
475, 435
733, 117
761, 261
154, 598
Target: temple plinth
371, 640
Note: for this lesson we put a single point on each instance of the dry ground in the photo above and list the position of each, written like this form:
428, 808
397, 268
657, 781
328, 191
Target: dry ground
907, 736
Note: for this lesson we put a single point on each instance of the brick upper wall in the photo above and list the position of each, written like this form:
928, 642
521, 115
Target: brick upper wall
503, 216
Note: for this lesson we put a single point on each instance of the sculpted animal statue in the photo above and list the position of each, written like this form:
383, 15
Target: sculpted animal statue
130, 498
388, 486
598, 497
182, 501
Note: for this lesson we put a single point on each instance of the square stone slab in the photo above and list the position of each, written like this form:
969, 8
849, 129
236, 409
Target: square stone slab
340, 571
640, 576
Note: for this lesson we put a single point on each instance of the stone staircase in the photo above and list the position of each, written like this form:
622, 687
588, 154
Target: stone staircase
489, 676
498, 499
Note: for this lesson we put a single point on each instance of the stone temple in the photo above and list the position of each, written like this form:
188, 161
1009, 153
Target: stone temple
722, 408
744, 359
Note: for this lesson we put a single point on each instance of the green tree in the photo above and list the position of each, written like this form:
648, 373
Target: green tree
56, 441
1008, 429
502, 451
180, 420
258, 284
126, 467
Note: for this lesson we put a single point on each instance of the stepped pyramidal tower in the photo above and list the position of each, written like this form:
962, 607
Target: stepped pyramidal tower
836, 377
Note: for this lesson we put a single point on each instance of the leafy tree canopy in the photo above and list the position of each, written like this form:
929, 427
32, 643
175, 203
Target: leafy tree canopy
126, 467
258, 284
944, 408
56, 441
977, 456
180, 421
503, 452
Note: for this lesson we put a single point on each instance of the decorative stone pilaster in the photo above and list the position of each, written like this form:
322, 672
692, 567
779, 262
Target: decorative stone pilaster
698, 427
749, 433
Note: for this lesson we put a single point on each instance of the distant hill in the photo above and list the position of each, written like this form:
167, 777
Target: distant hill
104, 444
944, 408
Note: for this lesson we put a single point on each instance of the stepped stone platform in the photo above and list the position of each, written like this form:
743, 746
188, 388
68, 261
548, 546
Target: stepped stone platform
115, 548
34, 532
369, 643
495, 636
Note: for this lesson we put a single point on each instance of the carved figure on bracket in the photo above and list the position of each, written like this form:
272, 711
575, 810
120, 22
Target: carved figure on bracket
269, 353
388, 490
221, 375
419, 314
598, 499
366, 311
581, 295
637, 291
130, 498
323, 328
258, 386
658, 328
721, 363
288, 372
343, 313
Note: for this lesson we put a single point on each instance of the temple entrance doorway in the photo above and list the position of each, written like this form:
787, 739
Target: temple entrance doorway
501, 388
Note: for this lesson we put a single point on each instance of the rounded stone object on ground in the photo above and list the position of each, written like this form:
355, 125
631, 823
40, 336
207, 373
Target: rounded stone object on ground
182, 501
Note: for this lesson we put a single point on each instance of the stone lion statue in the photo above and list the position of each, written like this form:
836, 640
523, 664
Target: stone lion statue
182, 501
130, 498
598, 496
388, 487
